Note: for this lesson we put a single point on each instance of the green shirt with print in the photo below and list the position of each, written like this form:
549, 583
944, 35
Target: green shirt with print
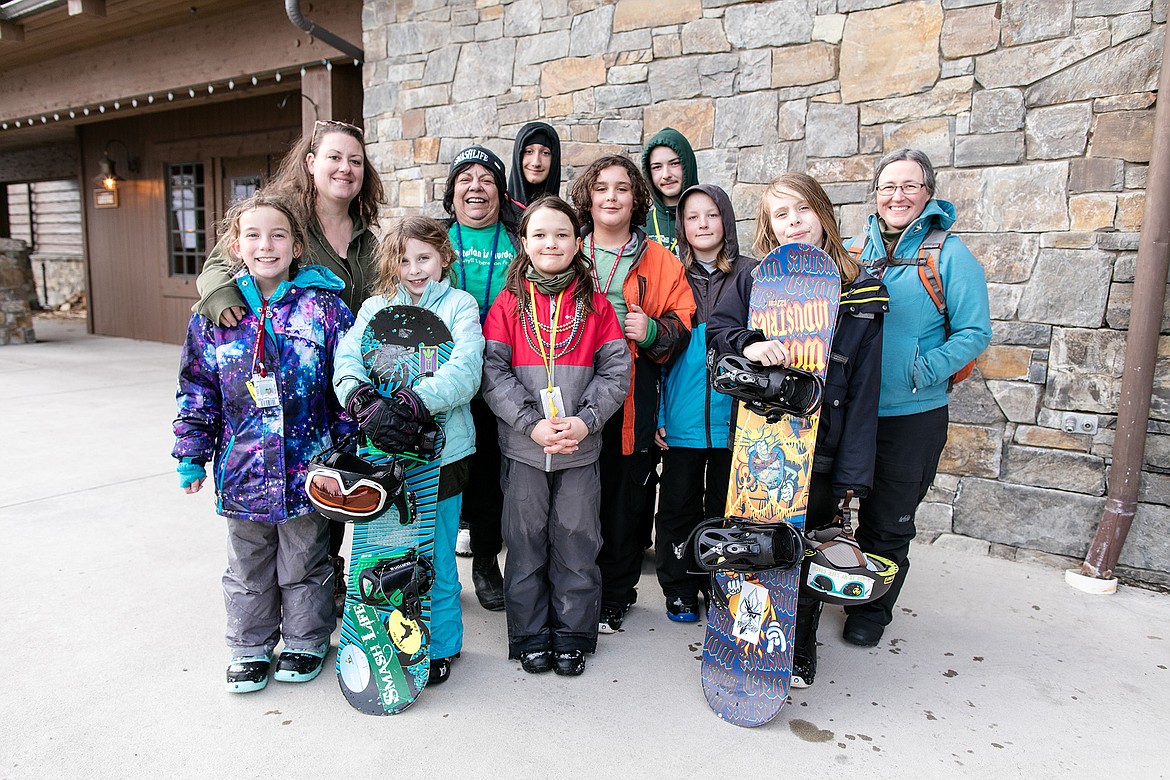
482, 257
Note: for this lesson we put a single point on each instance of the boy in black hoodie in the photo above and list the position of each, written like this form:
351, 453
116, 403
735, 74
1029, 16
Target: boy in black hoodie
536, 163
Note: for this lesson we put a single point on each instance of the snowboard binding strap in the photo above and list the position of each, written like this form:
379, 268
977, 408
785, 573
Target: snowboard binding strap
400, 582
768, 391
722, 544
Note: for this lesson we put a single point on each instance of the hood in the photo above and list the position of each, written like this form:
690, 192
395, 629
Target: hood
730, 239
520, 190
668, 136
432, 293
307, 277
937, 213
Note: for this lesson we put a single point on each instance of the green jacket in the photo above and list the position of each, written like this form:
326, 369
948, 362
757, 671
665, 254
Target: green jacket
218, 290
661, 222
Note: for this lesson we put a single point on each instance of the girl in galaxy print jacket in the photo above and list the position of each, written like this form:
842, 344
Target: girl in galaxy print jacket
261, 454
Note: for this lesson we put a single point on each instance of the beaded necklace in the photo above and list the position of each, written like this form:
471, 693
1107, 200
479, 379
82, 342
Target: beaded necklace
532, 327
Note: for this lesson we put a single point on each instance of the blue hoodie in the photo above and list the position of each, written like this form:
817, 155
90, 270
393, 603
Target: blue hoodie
917, 357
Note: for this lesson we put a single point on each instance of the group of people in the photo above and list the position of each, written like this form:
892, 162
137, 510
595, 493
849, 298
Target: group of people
580, 328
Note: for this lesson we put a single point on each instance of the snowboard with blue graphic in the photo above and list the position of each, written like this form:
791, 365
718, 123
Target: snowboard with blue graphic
747, 651
383, 658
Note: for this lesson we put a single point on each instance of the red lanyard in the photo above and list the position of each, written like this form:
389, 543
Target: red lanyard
612, 271
258, 353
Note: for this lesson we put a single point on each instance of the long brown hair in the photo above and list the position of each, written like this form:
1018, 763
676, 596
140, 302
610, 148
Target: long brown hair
292, 177
582, 190
393, 248
584, 287
807, 188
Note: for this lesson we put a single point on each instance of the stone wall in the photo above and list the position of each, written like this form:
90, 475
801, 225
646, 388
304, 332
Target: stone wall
58, 279
1038, 114
16, 290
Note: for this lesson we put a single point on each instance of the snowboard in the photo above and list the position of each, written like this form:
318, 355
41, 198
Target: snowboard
383, 658
747, 651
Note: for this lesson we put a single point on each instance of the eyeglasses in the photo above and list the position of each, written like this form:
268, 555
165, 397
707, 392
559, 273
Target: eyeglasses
911, 189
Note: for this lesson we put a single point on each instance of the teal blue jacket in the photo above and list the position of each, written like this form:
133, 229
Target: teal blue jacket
451, 388
917, 357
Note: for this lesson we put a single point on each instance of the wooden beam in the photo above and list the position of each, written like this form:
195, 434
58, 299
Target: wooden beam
87, 8
11, 33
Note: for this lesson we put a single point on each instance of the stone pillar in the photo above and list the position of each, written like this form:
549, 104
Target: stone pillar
16, 290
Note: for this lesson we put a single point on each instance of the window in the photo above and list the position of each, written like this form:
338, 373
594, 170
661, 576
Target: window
243, 187
186, 199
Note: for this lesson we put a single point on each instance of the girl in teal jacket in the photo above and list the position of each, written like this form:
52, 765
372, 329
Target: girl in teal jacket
414, 264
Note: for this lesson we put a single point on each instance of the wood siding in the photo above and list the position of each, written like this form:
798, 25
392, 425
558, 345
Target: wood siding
54, 229
132, 293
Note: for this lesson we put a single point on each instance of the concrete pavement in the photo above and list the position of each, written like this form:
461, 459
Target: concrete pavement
111, 619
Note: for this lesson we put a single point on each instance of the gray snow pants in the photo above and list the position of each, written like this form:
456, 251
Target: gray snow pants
278, 583
552, 586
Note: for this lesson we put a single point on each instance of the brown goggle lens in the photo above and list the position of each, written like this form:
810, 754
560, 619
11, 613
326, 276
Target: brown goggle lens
328, 491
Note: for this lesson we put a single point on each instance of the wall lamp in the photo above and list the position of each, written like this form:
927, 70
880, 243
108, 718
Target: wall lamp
108, 176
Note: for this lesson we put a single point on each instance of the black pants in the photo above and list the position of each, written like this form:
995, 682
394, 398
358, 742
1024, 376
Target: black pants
908, 449
623, 495
820, 511
693, 488
483, 501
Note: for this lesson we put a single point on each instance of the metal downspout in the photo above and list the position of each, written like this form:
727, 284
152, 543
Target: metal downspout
1141, 348
293, 9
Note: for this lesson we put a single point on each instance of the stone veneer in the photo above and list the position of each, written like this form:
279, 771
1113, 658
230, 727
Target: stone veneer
16, 294
1038, 114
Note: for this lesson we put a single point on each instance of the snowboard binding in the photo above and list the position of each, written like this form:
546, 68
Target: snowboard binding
722, 544
400, 582
768, 391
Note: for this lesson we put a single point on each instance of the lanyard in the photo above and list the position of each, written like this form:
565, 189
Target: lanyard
546, 357
487, 292
593, 261
658, 231
258, 353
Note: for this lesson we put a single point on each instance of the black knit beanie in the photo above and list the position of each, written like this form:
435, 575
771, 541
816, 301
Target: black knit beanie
474, 155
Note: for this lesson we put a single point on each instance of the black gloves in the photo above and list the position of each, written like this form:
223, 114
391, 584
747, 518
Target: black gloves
395, 425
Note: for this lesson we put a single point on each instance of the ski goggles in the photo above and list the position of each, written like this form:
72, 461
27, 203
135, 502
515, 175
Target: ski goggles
333, 492
830, 583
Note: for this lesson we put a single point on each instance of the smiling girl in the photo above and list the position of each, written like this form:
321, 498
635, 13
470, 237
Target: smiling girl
414, 264
555, 369
795, 209
254, 396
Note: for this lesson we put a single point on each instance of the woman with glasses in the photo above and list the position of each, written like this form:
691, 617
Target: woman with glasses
921, 350
325, 175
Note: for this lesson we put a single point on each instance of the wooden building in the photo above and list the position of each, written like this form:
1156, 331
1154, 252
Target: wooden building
194, 104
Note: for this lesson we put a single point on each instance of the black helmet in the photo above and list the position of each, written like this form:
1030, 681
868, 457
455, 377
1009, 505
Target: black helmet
344, 487
769, 391
836, 571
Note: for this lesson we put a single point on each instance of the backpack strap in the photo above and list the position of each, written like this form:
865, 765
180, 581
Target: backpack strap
928, 254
